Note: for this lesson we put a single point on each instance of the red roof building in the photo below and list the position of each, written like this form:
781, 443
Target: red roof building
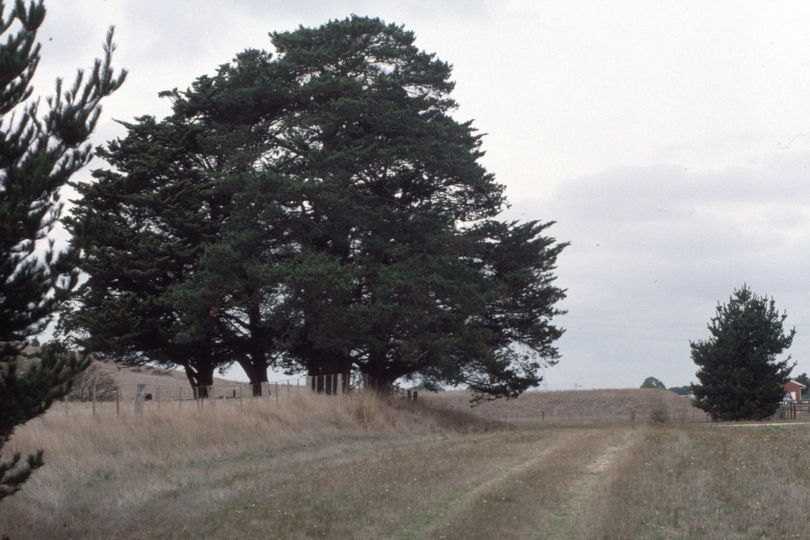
794, 390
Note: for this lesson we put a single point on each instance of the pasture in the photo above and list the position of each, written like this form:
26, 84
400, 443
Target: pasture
361, 467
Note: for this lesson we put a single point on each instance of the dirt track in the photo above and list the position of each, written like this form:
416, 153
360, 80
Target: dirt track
540, 493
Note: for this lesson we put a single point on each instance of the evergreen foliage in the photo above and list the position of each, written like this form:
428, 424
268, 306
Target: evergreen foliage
740, 376
142, 228
28, 387
355, 228
38, 154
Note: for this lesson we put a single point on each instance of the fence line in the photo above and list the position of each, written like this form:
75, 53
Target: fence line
796, 410
162, 396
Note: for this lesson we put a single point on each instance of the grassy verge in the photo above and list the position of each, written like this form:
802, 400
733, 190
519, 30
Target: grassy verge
363, 468
186, 473
707, 482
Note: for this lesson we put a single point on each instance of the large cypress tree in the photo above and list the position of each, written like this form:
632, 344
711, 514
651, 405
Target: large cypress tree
152, 229
372, 219
361, 232
38, 154
142, 227
740, 375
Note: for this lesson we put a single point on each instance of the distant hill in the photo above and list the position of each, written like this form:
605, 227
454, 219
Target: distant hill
606, 404
149, 375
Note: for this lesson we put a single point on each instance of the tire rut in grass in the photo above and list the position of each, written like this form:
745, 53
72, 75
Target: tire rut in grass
581, 493
457, 508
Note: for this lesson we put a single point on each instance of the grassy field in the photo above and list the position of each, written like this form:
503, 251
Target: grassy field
360, 467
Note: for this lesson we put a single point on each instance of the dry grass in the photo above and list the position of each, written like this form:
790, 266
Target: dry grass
365, 468
109, 476
583, 407
721, 482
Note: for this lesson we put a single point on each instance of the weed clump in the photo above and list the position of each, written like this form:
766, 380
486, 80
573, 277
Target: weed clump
659, 414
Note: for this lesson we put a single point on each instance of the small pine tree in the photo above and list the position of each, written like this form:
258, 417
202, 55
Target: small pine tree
740, 376
38, 154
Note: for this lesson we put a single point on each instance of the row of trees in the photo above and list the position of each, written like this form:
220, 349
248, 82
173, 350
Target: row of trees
315, 211
320, 211
652, 382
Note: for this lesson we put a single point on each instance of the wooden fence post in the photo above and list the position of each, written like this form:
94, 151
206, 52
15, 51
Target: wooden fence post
117, 401
94, 401
266, 391
240, 398
339, 385
180, 397
288, 388
140, 397
157, 395
276, 392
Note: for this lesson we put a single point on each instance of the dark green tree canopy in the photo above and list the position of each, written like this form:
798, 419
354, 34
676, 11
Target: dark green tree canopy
38, 154
142, 227
740, 375
358, 231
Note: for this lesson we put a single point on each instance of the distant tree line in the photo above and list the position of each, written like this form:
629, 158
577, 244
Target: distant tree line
652, 382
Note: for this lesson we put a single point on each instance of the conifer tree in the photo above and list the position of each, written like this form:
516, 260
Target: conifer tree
142, 227
38, 154
740, 375
359, 232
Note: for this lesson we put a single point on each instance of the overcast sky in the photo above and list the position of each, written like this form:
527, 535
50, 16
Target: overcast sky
669, 141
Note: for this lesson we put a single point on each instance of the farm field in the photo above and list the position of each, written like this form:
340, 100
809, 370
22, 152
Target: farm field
361, 467
569, 407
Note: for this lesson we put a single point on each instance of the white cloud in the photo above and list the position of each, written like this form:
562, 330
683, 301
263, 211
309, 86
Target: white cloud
653, 251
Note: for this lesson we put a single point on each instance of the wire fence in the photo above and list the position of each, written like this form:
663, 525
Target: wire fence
787, 412
138, 397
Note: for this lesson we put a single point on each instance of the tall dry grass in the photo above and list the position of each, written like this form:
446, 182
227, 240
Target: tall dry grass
580, 408
111, 470
724, 482
362, 467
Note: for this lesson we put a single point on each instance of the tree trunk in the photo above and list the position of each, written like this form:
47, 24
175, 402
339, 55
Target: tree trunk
323, 364
201, 377
254, 360
256, 372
